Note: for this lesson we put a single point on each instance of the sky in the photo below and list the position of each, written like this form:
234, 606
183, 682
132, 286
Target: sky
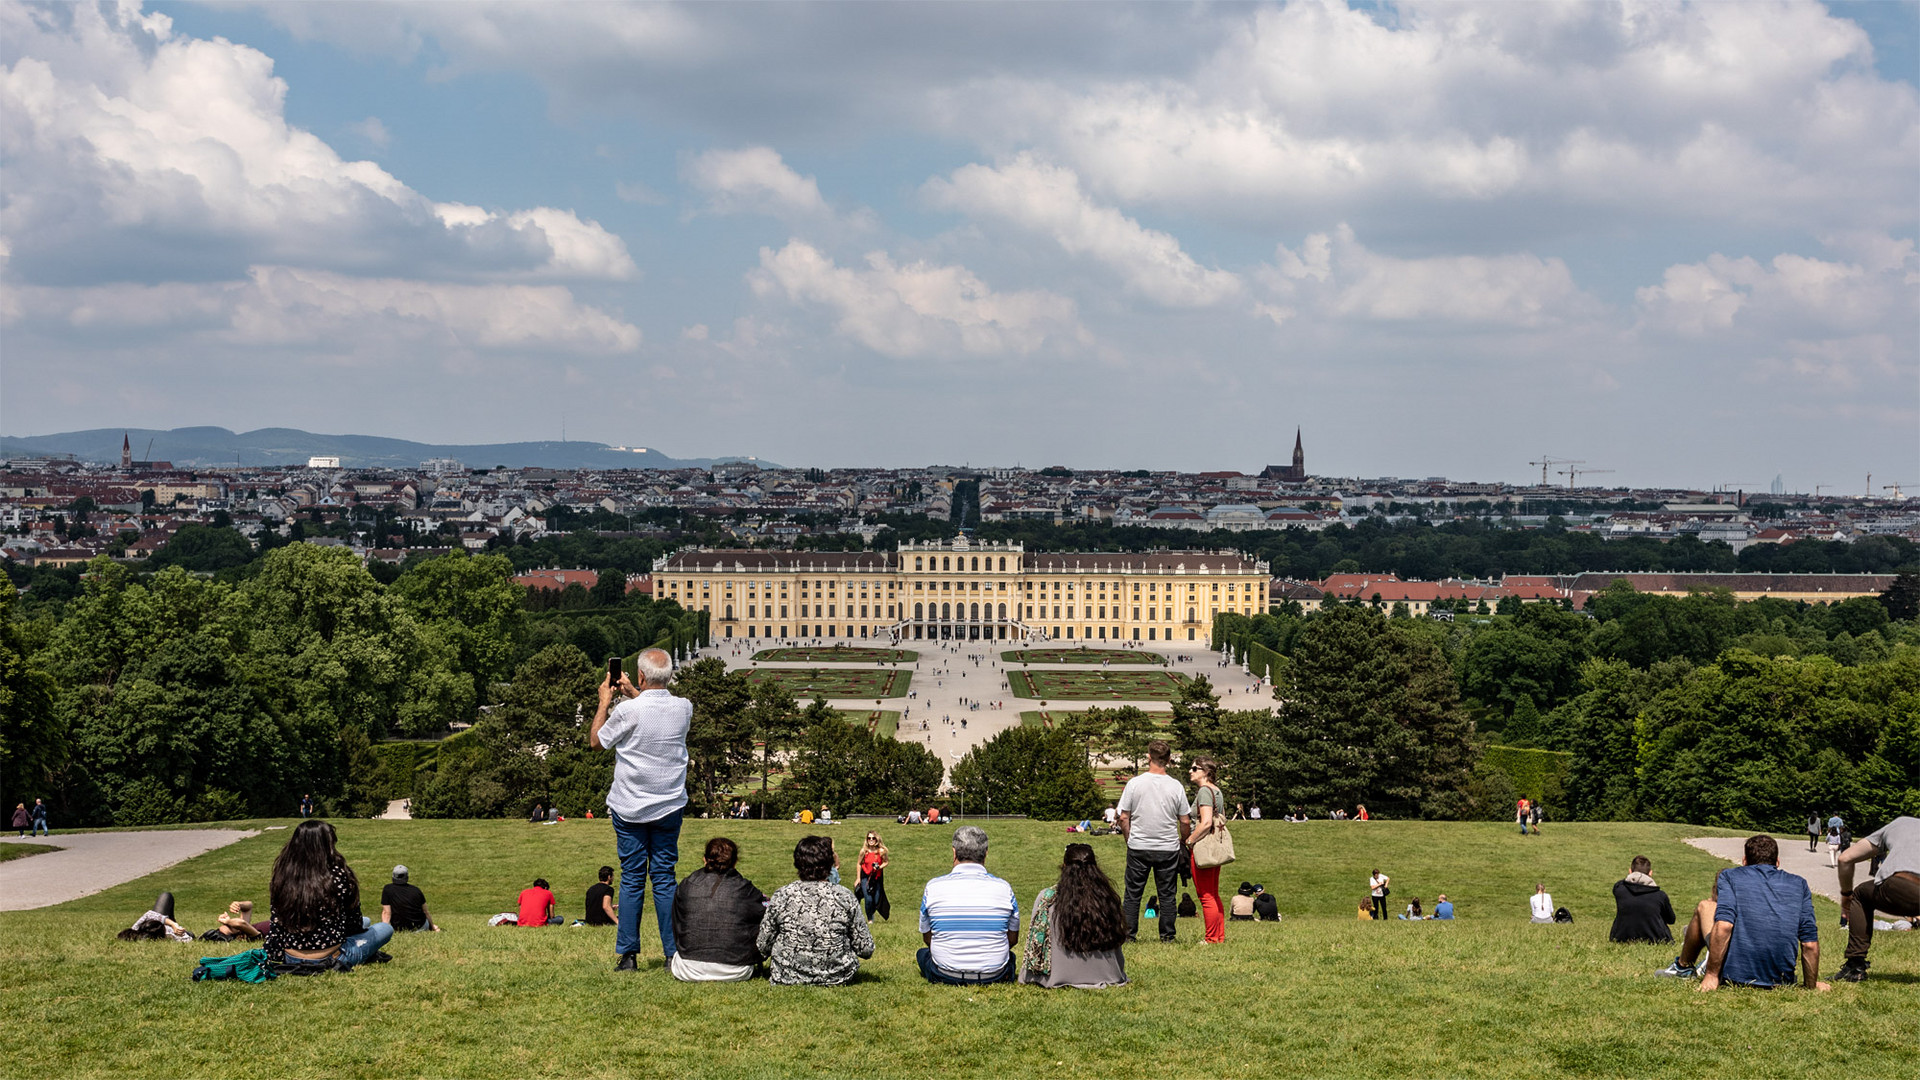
1673, 241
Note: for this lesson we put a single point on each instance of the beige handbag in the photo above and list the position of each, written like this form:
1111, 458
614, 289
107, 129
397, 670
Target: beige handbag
1215, 848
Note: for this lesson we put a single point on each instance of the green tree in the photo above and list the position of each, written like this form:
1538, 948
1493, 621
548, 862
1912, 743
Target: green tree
1130, 730
1196, 718
472, 605
1369, 715
1902, 598
33, 745
1524, 728
1027, 770
203, 549
776, 723
720, 738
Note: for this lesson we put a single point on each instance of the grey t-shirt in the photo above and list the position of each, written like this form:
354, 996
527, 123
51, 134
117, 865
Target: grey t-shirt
1155, 803
1899, 842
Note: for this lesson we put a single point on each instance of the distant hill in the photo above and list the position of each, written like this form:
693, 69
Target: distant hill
210, 447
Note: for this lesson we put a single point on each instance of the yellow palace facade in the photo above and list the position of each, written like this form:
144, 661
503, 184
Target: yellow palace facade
963, 590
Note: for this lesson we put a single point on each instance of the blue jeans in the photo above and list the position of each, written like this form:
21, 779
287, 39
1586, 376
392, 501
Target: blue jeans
40, 826
647, 849
354, 951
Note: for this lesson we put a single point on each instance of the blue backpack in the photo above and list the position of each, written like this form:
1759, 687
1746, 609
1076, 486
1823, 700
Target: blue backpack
250, 966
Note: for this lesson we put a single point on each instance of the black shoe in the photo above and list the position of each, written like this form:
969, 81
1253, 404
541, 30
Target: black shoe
1852, 971
627, 963
380, 957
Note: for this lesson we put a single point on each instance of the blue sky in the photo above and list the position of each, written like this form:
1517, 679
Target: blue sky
1676, 241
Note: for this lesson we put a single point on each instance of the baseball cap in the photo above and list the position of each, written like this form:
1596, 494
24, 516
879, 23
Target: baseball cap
399, 873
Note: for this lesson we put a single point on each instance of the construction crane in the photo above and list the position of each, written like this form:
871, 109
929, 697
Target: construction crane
1573, 475
1546, 462
1895, 488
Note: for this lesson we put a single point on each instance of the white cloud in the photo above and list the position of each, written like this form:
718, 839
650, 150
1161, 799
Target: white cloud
1794, 293
1745, 113
753, 180
1338, 277
373, 130
1047, 199
322, 312
918, 309
137, 153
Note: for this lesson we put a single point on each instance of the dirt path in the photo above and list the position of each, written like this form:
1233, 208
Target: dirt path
1794, 858
94, 862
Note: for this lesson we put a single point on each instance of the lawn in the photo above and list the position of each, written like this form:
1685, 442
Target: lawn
882, 722
1101, 685
837, 654
1082, 656
808, 683
1319, 994
20, 850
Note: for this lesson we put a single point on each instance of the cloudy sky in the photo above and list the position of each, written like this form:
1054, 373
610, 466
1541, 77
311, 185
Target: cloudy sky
1674, 241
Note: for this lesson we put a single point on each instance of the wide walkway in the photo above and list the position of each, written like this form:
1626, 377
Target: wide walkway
94, 862
1794, 857
950, 675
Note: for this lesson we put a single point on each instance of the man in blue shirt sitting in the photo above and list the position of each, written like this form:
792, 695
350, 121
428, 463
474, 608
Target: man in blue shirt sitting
1759, 921
1443, 909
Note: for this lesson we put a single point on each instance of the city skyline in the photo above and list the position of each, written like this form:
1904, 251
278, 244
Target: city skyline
1673, 242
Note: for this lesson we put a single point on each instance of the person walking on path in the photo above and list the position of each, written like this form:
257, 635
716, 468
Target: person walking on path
1209, 810
1155, 817
1813, 832
39, 815
21, 819
1520, 815
1894, 888
1377, 886
647, 733
306, 806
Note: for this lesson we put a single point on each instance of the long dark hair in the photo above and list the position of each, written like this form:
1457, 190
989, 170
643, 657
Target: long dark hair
301, 891
1086, 910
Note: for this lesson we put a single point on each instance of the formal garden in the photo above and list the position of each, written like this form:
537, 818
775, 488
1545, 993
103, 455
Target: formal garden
1102, 685
1317, 994
836, 683
836, 654
1082, 656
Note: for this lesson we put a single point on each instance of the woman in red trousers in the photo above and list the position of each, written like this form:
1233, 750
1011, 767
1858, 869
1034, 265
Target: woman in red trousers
1210, 812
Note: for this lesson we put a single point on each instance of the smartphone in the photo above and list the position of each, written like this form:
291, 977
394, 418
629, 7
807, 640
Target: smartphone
613, 670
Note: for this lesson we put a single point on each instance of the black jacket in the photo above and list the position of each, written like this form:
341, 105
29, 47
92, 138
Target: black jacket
1641, 913
716, 918
1265, 908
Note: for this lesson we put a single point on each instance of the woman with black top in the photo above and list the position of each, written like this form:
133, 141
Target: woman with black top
315, 901
716, 919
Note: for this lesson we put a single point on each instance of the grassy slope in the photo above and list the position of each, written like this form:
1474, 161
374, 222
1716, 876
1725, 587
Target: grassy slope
1318, 994
18, 850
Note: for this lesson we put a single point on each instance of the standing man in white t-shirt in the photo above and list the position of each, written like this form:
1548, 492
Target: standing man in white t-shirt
1155, 817
647, 732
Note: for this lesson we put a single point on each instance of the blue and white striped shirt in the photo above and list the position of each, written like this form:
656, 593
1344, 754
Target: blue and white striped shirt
970, 913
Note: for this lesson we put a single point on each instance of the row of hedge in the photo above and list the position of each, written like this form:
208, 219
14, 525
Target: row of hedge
1539, 775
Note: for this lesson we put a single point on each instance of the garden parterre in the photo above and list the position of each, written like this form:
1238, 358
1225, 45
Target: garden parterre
1096, 685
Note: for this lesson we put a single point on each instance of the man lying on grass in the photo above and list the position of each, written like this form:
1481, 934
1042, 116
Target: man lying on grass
1759, 918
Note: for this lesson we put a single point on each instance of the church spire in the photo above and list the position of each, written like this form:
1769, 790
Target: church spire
126, 450
1299, 454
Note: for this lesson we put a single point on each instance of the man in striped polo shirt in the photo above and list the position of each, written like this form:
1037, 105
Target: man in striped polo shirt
969, 919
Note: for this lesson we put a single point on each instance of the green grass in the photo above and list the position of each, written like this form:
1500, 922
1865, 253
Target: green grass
838, 654
1319, 994
808, 683
12, 851
1101, 685
883, 722
1081, 656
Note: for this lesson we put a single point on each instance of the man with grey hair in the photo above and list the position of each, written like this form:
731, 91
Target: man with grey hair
969, 919
647, 732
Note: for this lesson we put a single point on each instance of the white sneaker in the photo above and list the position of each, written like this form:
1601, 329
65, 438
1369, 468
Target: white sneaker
1677, 970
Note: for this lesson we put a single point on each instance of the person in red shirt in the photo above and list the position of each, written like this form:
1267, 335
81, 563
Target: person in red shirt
537, 904
873, 878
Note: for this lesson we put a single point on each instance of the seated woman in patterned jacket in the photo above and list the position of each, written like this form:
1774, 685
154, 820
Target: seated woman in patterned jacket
315, 900
813, 933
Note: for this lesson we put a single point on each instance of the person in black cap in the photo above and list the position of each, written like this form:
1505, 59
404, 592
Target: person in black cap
1265, 907
403, 906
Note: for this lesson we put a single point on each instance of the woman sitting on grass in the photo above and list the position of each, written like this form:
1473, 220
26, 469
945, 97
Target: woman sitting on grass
1075, 934
716, 920
813, 932
315, 900
1241, 909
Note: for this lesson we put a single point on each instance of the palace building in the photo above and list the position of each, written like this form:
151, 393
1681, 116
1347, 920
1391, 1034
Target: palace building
964, 590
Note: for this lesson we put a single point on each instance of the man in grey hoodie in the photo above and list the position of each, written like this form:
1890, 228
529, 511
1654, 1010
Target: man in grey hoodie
1641, 910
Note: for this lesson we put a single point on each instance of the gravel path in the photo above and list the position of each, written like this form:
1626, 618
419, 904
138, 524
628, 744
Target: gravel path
94, 862
1794, 858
